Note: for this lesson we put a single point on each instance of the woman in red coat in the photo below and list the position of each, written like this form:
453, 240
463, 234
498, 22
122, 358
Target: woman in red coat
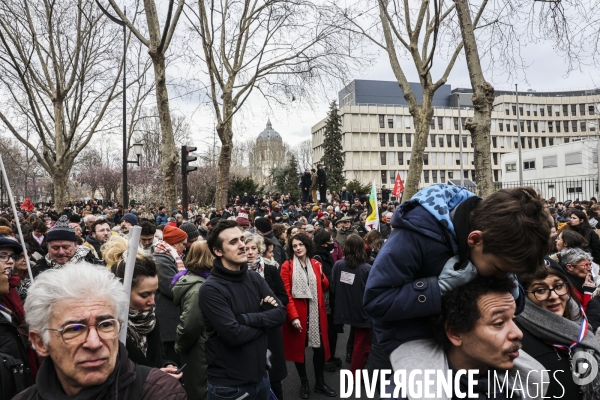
306, 323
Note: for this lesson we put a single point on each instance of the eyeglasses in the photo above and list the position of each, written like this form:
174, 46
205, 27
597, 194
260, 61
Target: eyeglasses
585, 264
78, 333
5, 256
544, 294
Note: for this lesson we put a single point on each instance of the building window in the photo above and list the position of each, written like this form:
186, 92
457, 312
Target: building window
382, 139
556, 110
392, 176
495, 157
528, 126
391, 157
501, 125
495, 175
408, 140
534, 107
557, 126
432, 123
582, 126
464, 140
550, 126
591, 109
425, 159
426, 176
573, 109
384, 177
582, 109
441, 140
542, 111
574, 189
399, 121
399, 140
567, 140
501, 140
511, 167
550, 162
528, 109
508, 126
400, 158
573, 158
391, 139
521, 109
494, 142
528, 164
565, 110
382, 155
507, 108
440, 123
390, 122
537, 143
551, 141
574, 125
382, 121
448, 123
566, 126
473, 175
457, 158
449, 140
407, 120
514, 109
542, 126
408, 158
543, 142
535, 126
434, 177
592, 125
434, 158
455, 123
432, 140
442, 176
456, 144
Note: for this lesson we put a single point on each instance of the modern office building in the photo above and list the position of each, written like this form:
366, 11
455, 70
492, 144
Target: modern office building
378, 130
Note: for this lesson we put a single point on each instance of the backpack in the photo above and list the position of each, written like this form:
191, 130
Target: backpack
12, 376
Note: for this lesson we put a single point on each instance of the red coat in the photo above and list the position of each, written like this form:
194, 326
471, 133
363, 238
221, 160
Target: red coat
294, 341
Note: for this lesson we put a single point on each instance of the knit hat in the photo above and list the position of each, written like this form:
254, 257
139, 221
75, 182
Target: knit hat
190, 229
75, 218
131, 218
319, 215
263, 225
9, 242
315, 208
173, 235
242, 220
61, 231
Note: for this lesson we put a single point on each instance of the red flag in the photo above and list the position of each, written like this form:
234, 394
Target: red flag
398, 186
27, 205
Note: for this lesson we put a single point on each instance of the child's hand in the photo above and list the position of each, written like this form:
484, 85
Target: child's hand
451, 278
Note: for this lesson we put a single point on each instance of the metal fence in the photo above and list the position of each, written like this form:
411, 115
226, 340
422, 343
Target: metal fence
560, 189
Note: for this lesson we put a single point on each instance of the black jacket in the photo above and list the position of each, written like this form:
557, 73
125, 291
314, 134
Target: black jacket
12, 344
593, 313
236, 353
305, 181
278, 371
348, 297
95, 244
166, 311
278, 251
322, 177
155, 355
42, 265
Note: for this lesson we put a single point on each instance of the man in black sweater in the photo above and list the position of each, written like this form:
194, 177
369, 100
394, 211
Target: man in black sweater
238, 308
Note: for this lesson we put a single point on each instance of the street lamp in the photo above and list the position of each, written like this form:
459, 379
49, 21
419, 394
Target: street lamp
122, 24
137, 150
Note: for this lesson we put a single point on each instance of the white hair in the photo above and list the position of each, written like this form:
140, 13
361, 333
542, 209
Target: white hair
74, 282
87, 218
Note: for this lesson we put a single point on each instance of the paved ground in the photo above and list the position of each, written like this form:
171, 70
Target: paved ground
291, 385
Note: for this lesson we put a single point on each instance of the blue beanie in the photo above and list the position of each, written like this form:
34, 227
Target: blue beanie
131, 218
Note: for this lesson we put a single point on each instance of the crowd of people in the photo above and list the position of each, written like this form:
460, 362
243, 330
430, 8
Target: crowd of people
223, 298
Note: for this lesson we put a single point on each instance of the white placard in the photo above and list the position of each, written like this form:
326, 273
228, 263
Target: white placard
347, 277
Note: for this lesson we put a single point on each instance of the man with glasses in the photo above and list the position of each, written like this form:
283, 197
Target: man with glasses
99, 234
10, 340
73, 314
576, 262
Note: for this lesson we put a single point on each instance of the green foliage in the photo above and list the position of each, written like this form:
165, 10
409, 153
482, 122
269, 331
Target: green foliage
286, 178
239, 186
333, 157
355, 184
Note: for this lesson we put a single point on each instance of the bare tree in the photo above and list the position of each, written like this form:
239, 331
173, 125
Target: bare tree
57, 73
158, 43
424, 33
303, 153
285, 49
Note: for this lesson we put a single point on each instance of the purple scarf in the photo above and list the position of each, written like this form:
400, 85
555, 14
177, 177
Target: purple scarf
178, 275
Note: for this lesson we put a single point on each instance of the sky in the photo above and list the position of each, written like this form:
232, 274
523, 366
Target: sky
546, 71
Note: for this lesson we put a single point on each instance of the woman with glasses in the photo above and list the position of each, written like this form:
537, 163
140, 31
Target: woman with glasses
555, 331
144, 343
578, 265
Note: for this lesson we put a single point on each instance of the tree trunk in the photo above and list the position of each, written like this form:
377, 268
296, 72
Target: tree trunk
483, 101
225, 131
60, 179
168, 152
59, 173
422, 114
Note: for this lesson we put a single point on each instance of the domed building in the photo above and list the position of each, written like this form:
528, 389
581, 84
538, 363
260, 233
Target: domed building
269, 152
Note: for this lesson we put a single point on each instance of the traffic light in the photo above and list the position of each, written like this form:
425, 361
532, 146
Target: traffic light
186, 158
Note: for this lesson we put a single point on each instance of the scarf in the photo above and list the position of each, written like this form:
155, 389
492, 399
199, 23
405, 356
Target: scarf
178, 275
13, 301
139, 325
162, 247
49, 387
553, 329
80, 253
258, 266
304, 286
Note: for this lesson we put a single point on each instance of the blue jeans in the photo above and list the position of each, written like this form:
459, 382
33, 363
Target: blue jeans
252, 391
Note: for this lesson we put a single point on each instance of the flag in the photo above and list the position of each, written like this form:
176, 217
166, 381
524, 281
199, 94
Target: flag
398, 186
27, 205
372, 221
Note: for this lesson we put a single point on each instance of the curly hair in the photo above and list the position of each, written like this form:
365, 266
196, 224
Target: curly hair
306, 241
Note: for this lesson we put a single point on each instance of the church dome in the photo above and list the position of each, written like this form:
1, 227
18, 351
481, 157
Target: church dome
269, 133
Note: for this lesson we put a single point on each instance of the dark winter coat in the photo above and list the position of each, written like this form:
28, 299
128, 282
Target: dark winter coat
157, 386
406, 270
95, 243
593, 313
348, 297
322, 177
385, 230
42, 265
155, 355
35, 247
236, 353
162, 219
191, 335
278, 251
167, 313
278, 371
306, 181
12, 344
345, 196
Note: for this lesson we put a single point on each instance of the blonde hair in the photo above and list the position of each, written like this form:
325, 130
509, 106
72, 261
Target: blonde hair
114, 248
252, 237
199, 257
